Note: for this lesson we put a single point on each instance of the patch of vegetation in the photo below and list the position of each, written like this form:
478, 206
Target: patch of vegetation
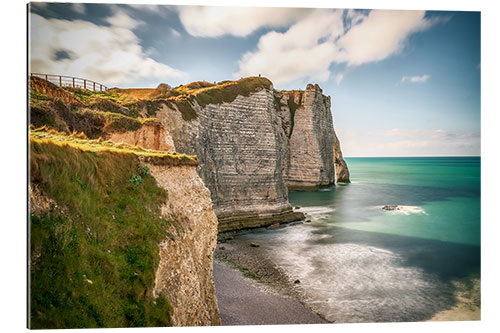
205, 93
150, 106
81, 142
116, 122
106, 105
88, 97
136, 179
94, 267
227, 92
102, 116
37, 99
185, 107
50, 90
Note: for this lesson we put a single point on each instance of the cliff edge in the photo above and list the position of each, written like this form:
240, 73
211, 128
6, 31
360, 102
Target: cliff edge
120, 236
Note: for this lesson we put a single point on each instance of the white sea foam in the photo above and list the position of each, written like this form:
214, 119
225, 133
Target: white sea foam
316, 213
406, 210
347, 282
316, 210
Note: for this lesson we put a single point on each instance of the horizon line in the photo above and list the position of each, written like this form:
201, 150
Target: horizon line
408, 156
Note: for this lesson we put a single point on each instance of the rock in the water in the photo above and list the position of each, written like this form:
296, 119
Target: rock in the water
254, 244
274, 226
391, 207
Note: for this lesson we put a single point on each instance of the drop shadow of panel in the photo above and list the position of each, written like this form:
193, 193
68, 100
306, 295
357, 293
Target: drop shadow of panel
446, 260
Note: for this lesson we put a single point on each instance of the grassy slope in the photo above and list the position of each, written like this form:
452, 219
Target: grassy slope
94, 256
136, 100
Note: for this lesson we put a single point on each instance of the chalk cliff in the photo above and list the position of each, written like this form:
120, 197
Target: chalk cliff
341, 170
255, 146
311, 162
184, 274
239, 146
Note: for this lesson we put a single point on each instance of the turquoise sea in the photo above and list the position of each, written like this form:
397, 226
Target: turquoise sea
359, 263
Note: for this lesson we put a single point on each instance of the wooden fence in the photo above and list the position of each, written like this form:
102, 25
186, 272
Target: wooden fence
70, 81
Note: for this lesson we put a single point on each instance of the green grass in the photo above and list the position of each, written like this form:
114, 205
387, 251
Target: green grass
116, 122
228, 91
88, 97
80, 142
38, 99
204, 93
94, 256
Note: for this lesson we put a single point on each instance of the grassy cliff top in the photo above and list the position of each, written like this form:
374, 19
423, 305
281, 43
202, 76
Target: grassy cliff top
137, 100
225, 91
80, 141
94, 247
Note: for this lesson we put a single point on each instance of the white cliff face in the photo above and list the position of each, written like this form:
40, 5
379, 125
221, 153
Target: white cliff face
253, 149
240, 147
184, 274
311, 162
341, 170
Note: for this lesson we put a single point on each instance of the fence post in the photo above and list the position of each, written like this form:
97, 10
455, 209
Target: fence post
46, 77
73, 82
94, 87
84, 84
101, 87
60, 81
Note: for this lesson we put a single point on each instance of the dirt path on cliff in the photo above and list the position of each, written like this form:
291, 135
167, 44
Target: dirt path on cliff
243, 301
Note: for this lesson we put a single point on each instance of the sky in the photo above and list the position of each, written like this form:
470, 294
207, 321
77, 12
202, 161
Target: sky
403, 83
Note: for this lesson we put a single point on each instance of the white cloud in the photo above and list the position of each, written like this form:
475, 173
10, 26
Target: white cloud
311, 45
305, 50
174, 32
237, 21
381, 34
111, 55
416, 79
401, 142
121, 20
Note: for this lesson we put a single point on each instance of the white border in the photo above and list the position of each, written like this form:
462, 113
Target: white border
13, 166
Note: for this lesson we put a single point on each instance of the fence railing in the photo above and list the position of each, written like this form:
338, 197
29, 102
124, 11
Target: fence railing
70, 81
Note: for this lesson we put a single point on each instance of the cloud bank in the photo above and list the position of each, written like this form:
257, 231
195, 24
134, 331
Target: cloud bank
404, 142
110, 54
237, 21
315, 39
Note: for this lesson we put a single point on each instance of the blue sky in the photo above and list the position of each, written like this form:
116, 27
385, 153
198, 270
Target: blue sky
403, 83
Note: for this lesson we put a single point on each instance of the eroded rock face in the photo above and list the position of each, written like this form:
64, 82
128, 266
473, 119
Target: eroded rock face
255, 148
240, 147
150, 136
341, 170
184, 274
311, 154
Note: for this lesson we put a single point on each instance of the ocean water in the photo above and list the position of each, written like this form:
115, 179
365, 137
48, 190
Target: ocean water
359, 263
